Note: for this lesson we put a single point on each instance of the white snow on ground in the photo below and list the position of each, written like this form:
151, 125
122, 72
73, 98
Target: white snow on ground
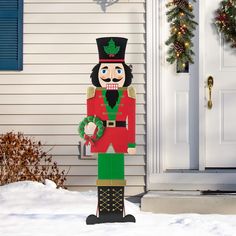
33, 209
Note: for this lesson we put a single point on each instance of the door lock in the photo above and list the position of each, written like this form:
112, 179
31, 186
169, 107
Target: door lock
210, 83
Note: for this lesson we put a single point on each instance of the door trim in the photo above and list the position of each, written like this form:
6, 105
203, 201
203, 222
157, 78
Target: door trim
202, 109
153, 75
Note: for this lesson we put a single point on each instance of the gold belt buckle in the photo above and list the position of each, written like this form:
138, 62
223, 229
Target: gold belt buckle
111, 123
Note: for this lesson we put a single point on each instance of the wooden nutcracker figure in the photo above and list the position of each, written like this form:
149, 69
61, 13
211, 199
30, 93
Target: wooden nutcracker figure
111, 102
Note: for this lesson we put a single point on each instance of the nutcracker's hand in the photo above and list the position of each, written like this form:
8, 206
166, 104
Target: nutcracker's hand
131, 151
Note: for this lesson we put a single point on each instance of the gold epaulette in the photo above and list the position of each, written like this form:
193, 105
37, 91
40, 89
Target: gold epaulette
90, 92
131, 92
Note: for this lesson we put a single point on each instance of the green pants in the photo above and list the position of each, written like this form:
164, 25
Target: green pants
111, 166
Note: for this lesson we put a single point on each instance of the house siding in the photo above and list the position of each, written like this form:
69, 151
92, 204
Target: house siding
47, 99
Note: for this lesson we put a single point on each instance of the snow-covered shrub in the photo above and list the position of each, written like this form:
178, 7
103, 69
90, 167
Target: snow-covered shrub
22, 158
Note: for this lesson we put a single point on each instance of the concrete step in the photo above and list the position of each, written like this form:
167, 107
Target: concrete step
178, 202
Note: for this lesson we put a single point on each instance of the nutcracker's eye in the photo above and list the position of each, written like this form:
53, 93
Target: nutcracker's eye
103, 71
119, 71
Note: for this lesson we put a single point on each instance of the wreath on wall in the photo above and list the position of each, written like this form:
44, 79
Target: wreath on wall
226, 21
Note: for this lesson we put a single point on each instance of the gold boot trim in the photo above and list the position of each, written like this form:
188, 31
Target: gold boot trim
111, 182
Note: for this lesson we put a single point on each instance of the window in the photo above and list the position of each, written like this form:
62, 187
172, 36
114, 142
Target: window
11, 34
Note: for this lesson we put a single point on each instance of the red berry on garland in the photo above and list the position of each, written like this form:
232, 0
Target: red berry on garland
221, 17
183, 29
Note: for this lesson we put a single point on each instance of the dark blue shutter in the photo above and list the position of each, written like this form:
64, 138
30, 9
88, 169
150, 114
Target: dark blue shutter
11, 34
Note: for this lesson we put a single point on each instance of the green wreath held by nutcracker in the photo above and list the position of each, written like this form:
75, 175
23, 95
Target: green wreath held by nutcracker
226, 22
97, 133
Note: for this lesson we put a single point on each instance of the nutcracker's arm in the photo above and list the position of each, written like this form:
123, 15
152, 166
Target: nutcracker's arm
131, 118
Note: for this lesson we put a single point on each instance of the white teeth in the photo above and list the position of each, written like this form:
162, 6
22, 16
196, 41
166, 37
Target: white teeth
112, 86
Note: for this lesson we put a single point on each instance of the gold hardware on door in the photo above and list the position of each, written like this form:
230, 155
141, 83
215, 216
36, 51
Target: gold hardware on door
210, 82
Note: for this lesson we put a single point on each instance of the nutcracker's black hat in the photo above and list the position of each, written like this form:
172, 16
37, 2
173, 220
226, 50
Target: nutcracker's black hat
111, 49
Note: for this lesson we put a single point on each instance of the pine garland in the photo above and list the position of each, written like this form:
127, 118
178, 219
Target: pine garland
182, 26
226, 21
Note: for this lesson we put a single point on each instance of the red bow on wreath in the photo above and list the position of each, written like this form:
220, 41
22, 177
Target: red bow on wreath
91, 139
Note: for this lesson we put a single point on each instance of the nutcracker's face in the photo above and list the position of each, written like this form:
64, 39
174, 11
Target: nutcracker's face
118, 74
111, 75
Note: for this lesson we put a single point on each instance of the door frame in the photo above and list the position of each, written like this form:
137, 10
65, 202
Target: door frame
157, 178
202, 79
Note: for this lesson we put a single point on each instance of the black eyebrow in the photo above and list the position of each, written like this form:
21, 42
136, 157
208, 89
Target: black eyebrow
117, 67
105, 67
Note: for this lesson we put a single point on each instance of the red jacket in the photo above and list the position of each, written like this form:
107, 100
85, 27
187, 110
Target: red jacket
120, 137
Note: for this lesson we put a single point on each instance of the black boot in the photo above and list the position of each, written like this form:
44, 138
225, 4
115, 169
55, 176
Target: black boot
110, 206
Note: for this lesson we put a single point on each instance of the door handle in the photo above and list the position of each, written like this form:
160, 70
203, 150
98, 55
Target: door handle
210, 83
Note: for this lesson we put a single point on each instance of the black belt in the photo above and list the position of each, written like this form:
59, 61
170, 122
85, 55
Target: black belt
114, 123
